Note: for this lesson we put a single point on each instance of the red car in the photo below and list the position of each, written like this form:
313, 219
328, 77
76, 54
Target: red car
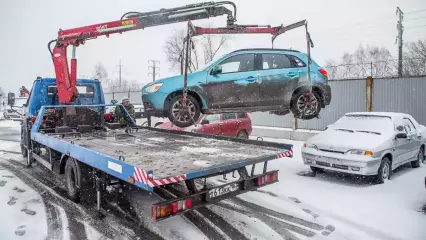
225, 124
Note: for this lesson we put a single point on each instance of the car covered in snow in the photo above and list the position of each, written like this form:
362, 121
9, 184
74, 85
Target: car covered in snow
17, 110
245, 80
367, 143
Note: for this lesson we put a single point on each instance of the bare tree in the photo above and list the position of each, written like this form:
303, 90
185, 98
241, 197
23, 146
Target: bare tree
101, 73
212, 44
414, 62
175, 46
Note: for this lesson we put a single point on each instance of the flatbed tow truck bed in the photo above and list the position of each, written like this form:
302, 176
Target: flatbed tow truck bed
150, 157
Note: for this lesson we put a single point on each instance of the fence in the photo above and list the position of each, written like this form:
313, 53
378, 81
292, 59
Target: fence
407, 95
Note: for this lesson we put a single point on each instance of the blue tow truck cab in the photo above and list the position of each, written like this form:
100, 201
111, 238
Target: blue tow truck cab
75, 141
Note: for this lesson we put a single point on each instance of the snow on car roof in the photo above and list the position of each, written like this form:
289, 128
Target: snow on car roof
380, 114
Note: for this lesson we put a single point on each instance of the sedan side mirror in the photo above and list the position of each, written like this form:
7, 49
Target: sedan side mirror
10, 99
216, 70
205, 121
401, 136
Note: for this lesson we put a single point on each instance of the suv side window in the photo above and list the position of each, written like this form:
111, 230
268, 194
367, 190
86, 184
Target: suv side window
275, 61
241, 115
409, 126
213, 118
228, 116
296, 62
238, 63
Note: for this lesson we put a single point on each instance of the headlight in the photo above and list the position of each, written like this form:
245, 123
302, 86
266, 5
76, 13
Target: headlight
308, 145
153, 88
360, 152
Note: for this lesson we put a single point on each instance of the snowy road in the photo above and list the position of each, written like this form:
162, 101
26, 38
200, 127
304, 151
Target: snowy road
329, 206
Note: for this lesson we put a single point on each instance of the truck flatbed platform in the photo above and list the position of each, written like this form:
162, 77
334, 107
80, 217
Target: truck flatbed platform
172, 153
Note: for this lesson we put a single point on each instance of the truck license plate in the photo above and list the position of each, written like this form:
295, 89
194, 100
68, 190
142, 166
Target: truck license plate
222, 190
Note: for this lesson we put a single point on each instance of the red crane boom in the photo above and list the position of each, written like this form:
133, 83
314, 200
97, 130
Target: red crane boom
66, 78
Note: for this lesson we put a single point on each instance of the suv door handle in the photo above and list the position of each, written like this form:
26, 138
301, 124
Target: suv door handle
251, 79
291, 74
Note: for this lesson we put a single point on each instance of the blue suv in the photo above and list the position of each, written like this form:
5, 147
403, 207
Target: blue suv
246, 80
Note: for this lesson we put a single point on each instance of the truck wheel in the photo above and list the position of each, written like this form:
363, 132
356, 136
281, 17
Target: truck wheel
73, 177
384, 171
242, 134
24, 150
420, 157
317, 169
304, 109
180, 116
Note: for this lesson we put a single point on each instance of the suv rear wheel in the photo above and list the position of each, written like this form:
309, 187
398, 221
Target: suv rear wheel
305, 105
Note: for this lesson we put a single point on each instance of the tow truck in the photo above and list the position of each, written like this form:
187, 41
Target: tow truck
64, 130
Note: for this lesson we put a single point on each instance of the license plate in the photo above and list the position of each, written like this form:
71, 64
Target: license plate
222, 190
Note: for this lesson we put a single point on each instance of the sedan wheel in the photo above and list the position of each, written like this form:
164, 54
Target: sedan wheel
384, 171
420, 158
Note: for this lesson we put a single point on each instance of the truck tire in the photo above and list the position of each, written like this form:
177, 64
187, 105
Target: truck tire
297, 107
174, 105
420, 156
73, 179
384, 171
24, 150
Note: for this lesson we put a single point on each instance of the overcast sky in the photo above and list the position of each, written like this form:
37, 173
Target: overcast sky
336, 26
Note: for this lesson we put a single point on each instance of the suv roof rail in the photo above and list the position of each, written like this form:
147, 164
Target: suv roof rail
265, 49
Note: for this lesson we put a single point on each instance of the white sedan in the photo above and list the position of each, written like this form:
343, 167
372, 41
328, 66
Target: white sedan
367, 143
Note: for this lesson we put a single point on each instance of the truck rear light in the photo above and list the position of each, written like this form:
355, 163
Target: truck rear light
268, 178
167, 209
323, 72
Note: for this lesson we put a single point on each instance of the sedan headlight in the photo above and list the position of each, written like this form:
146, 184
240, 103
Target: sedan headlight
308, 145
360, 152
153, 88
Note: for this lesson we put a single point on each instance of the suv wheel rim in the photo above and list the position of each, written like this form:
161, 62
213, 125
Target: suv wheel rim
182, 113
385, 171
307, 104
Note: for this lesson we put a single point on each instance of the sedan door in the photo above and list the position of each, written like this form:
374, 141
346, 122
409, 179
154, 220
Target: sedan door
414, 141
278, 76
229, 124
236, 85
211, 124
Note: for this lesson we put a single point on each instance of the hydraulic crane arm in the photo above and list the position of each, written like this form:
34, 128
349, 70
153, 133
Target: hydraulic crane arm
66, 78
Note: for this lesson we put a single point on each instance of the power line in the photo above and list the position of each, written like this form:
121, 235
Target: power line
411, 19
416, 26
421, 10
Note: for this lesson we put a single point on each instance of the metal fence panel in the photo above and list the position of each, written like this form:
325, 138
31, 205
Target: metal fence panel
347, 96
135, 96
406, 95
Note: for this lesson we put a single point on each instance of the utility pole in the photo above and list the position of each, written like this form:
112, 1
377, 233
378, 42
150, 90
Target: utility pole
120, 66
153, 69
399, 39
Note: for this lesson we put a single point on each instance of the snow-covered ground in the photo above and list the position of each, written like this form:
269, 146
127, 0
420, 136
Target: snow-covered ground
328, 206
365, 211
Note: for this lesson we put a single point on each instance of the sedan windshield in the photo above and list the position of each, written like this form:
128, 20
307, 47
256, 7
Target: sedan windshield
366, 124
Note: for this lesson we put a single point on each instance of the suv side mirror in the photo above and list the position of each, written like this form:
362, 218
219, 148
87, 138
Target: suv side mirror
205, 121
10, 99
401, 135
216, 70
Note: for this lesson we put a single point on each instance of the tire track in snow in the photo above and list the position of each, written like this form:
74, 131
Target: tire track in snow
114, 226
212, 225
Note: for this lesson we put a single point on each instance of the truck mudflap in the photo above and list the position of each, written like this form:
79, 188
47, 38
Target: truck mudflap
180, 205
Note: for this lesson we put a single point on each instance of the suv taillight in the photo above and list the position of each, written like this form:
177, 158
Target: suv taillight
323, 72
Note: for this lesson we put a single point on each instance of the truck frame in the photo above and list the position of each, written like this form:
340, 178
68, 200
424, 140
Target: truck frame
149, 159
